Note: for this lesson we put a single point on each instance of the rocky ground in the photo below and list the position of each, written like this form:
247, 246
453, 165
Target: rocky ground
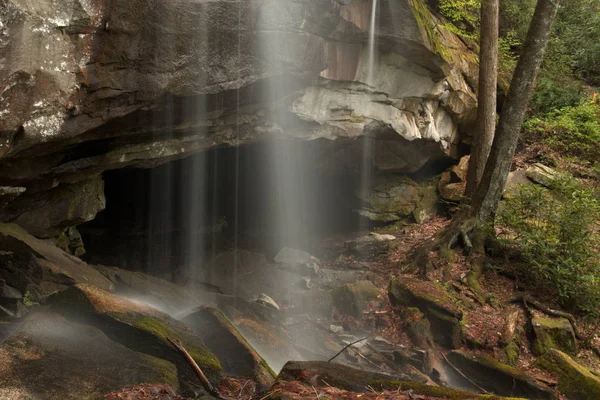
348, 322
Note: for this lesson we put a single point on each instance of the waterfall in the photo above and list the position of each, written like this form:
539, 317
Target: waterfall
372, 32
367, 146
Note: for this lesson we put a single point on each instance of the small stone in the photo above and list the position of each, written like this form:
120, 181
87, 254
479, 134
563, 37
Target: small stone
268, 301
542, 174
336, 328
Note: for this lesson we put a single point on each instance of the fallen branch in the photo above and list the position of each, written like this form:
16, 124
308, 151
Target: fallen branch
342, 350
205, 383
463, 375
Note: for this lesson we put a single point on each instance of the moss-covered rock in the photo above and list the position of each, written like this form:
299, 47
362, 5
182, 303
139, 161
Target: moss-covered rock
428, 205
512, 352
575, 381
553, 333
353, 298
439, 307
418, 327
498, 378
50, 357
138, 327
390, 199
237, 357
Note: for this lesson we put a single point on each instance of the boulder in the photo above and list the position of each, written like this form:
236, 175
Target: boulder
47, 214
38, 267
498, 378
553, 333
458, 172
390, 196
353, 298
427, 206
575, 381
515, 180
49, 357
237, 357
321, 374
434, 302
542, 174
136, 326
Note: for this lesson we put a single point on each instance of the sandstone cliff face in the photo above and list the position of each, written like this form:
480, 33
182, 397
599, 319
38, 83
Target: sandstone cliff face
92, 85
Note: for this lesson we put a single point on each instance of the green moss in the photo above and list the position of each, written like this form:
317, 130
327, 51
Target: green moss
167, 370
426, 23
159, 329
576, 382
553, 333
433, 391
511, 352
27, 301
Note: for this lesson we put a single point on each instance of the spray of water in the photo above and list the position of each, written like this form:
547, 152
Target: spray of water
367, 145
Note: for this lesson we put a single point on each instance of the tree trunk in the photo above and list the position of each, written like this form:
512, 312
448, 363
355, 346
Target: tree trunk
488, 83
489, 192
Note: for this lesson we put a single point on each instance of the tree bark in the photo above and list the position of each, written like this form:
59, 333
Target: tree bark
488, 83
489, 192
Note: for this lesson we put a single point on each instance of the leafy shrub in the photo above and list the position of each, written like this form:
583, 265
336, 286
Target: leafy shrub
575, 131
463, 16
551, 95
555, 232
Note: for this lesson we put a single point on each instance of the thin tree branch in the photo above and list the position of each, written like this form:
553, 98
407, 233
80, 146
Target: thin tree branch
342, 350
207, 385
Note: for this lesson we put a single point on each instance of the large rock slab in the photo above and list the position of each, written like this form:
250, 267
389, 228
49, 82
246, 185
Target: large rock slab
237, 357
136, 326
49, 357
37, 267
499, 378
576, 382
542, 174
47, 214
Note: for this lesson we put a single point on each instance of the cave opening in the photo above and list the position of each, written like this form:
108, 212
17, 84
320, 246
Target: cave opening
179, 215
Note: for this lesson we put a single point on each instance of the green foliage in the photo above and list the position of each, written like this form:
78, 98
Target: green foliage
463, 16
550, 95
574, 131
572, 55
555, 232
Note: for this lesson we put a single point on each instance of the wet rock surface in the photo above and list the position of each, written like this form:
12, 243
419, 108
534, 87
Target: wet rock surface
49, 357
237, 357
136, 326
